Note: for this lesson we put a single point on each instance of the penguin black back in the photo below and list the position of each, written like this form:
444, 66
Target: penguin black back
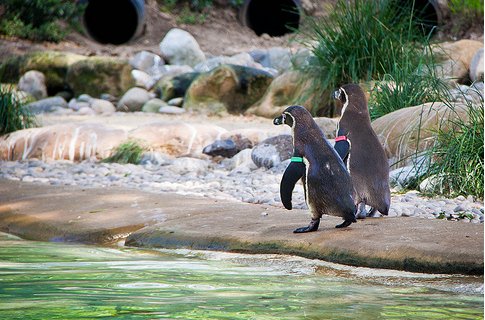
366, 160
328, 187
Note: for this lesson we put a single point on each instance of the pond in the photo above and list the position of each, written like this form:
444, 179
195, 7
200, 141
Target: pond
42, 280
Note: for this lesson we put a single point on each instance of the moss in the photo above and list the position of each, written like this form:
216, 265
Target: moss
228, 88
54, 65
97, 75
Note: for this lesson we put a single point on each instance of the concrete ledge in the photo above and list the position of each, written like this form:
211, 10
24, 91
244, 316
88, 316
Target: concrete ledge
103, 216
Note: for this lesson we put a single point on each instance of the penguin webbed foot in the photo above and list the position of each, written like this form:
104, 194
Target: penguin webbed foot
313, 226
344, 224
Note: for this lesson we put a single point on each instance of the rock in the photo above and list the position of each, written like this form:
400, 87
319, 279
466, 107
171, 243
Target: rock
97, 75
462, 50
147, 62
33, 82
406, 176
75, 105
142, 79
409, 130
180, 47
176, 102
46, 105
433, 184
101, 106
188, 165
476, 66
240, 59
171, 110
276, 58
228, 88
224, 148
133, 100
84, 98
169, 87
178, 139
174, 70
466, 95
86, 111
328, 126
242, 159
281, 93
74, 142
272, 151
452, 71
155, 159
227, 148
153, 105
54, 65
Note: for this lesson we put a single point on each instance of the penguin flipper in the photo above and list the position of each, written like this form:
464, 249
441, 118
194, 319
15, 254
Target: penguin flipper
342, 147
293, 173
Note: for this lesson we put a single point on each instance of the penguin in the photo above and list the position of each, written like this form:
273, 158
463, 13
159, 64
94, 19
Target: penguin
360, 149
326, 181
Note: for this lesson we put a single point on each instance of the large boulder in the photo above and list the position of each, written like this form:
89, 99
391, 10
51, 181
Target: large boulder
169, 87
178, 139
228, 88
476, 66
33, 82
180, 47
285, 90
409, 131
73, 142
97, 75
54, 66
273, 151
457, 58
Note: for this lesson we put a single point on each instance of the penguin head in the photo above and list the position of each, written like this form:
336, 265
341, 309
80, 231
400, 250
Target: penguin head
352, 98
290, 115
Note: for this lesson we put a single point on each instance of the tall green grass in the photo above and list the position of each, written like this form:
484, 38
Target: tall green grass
360, 41
458, 154
406, 85
13, 116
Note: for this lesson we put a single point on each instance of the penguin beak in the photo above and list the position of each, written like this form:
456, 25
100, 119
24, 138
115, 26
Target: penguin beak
279, 120
336, 94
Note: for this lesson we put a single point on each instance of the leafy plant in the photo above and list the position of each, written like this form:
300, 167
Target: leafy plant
38, 19
13, 116
360, 41
127, 152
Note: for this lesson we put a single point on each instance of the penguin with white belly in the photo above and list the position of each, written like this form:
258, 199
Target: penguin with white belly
327, 184
358, 146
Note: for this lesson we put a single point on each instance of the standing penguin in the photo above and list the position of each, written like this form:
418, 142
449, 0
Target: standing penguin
327, 184
358, 145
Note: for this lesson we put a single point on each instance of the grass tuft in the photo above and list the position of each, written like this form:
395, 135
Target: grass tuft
13, 116
458, 155
127, 152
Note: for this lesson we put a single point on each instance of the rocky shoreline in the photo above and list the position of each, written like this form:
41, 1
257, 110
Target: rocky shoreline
233, 179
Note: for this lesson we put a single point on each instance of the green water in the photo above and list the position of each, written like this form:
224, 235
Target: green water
41, 280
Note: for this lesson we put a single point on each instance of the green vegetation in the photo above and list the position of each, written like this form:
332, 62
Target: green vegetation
466, 13
404, 86
361, 41
458, 155
127, 152
38, 19
13, 116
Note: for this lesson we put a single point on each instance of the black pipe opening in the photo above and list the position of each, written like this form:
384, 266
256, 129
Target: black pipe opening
273, 17
426, 14
112, 21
